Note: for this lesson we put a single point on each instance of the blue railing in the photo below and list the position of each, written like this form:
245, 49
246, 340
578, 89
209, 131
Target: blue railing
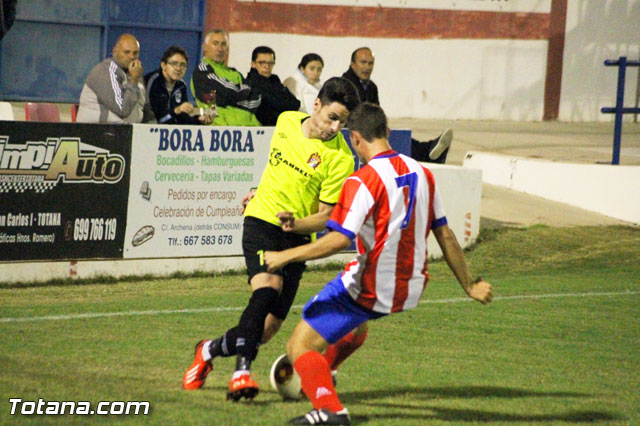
622, 63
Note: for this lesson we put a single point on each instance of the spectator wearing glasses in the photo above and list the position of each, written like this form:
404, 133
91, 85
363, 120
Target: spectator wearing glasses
114, 90
275, 97
236, 101
168, 91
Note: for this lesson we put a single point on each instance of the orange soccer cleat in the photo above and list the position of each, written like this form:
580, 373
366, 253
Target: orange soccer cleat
242, 387
196, 375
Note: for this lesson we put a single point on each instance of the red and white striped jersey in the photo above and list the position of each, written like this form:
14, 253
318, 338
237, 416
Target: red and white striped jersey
390, 204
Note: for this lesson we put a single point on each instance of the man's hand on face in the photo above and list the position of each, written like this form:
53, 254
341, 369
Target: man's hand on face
135, 70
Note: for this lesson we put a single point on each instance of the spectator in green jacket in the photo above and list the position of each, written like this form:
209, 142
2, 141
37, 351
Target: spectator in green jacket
214, 82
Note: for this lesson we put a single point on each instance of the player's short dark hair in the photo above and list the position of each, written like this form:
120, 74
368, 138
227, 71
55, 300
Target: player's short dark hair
355, 52
341, 90
309, 57
262, 49
172, 50
369, 120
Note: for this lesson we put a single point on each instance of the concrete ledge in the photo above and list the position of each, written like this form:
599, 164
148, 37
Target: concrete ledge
44, 271
461, 192
610, 190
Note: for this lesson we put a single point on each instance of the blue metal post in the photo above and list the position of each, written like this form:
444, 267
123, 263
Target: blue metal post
619, 109
617, 127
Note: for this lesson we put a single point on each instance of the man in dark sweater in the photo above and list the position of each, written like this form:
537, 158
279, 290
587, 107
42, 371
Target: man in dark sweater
359, 73
275, 97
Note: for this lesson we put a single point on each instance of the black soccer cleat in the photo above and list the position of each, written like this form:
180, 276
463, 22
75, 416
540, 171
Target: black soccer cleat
323, 417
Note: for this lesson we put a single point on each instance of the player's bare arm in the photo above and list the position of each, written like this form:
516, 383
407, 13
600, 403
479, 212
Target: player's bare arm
306, 225
479, 289
247, 198
329, 244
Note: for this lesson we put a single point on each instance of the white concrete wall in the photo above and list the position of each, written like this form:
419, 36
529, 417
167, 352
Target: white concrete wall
461, 192
597, 30
444, 79
610, 190
481, 79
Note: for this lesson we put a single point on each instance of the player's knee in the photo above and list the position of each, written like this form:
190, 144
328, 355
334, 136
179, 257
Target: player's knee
296, 346
265, 279
294, 349
303, 340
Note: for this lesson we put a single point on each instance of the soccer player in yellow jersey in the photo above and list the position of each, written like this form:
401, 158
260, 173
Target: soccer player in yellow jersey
308, 163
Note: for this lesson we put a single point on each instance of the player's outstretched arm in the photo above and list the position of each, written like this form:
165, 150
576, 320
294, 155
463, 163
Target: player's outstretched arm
330, 244
306, 225
478, 289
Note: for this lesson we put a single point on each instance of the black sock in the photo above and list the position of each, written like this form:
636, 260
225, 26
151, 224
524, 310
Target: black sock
251, 325
225, 345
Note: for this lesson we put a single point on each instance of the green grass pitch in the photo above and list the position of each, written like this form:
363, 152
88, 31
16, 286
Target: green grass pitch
560, 344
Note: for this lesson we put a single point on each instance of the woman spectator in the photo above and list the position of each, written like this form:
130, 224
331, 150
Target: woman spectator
305, 83
168, 93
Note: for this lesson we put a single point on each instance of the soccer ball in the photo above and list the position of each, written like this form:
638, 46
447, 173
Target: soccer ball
284, 379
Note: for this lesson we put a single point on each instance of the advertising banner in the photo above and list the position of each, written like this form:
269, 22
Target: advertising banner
63, 190
188, 183
187, 187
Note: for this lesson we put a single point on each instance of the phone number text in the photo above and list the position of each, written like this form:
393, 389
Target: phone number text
201, 240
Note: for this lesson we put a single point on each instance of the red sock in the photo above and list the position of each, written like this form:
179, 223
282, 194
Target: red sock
343, 349
316, 381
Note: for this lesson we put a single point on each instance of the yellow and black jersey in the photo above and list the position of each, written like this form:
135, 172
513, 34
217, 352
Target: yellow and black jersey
300, 172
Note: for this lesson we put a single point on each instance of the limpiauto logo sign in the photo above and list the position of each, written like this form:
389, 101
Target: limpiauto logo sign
38, 166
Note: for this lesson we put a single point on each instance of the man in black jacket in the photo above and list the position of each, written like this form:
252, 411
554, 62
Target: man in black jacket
167, 91
275, 97
359, 73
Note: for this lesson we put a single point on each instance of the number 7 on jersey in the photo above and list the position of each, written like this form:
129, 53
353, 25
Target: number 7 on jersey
410, 180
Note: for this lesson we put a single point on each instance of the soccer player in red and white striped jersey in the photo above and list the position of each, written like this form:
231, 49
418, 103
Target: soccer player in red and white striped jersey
389, 206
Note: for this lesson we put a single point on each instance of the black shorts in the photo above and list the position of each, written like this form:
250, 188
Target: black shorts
258, 235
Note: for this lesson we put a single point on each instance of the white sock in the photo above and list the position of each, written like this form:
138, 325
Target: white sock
239, 373
206, 355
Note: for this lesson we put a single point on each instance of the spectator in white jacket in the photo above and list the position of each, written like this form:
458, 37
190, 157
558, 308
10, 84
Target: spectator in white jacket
305, 83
